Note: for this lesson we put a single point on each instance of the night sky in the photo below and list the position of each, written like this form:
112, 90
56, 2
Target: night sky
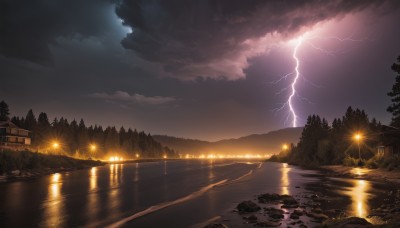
197, 69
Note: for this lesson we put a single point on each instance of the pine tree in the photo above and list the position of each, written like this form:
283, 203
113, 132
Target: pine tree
394, 108
4, 111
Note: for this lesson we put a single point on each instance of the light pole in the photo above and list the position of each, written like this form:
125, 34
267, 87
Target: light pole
358, 137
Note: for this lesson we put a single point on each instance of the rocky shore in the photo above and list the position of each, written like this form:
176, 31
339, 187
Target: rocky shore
17, 175
320, 206
23, 165
379, 175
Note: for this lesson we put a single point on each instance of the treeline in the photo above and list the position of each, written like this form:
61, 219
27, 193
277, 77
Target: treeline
324, 144
76, 139
338, 143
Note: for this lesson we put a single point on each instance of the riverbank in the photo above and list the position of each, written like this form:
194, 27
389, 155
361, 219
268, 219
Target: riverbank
379, 175
340, 197
23, 165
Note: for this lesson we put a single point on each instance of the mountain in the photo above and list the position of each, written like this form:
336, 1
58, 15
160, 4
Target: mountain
262, 144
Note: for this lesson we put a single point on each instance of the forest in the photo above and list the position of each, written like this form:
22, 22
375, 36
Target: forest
350, 140
75, 139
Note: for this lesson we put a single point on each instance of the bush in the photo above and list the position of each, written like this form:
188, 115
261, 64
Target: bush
391, 163
25, 160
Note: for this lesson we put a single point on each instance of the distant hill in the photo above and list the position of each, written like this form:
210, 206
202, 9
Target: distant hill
268, 143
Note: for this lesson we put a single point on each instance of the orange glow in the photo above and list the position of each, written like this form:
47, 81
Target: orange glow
165, 156
285, 147
93, 147
358, 137
56, 145
115, 159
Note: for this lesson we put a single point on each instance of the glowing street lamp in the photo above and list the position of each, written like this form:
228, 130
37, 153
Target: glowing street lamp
358, 137
137, 156
93, 147
56, 145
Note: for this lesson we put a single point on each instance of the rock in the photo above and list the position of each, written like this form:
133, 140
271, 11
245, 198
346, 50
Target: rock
348, 222
318, 216
248, 206
316, 210
289, 202
267, 198
298, 212
275, 213
216, 225
251, 218
294, 216
314, 196
268, 224
302, 226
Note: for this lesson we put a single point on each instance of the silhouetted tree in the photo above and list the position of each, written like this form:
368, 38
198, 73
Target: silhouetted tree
394, 108
4, 111
30, 120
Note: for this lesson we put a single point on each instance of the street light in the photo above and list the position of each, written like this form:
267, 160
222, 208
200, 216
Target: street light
56, 145
358, 137
93, 147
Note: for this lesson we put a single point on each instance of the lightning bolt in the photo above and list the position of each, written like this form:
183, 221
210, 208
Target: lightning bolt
291, 115
293, 85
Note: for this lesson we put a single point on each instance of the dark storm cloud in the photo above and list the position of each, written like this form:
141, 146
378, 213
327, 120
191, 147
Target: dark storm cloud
28, 27
215, 38
135, 98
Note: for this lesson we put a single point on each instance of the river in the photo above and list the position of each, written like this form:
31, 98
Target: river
176, 193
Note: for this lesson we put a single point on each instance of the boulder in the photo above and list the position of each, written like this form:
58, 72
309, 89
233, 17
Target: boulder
268, 224
267, 198
348, 222
248, 206
275, 213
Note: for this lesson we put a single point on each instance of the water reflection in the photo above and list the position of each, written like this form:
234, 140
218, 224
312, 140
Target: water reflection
115, 174
359, 196
92, 206
113, 196
93, 178
360, 171
54, 208
165, 168
136, 177
285, 179
211, 174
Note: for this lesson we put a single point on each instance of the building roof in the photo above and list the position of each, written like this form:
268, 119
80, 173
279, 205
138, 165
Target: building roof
9, 124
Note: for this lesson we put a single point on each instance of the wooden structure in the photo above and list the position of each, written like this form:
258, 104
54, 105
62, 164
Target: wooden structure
13, 137
389, 142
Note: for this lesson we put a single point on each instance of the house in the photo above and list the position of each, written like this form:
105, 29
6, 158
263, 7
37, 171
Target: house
389, 141
13, 137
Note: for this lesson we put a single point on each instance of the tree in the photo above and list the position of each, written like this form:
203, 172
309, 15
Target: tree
4, 111
30, 120
394, 108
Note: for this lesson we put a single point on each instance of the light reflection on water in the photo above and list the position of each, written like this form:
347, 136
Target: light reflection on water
211, 174
359, 196
360, 171
54, 208
285, 179
93, 178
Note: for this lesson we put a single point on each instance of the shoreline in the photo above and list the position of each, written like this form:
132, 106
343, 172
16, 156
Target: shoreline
377, 175
317, 204
29, 174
